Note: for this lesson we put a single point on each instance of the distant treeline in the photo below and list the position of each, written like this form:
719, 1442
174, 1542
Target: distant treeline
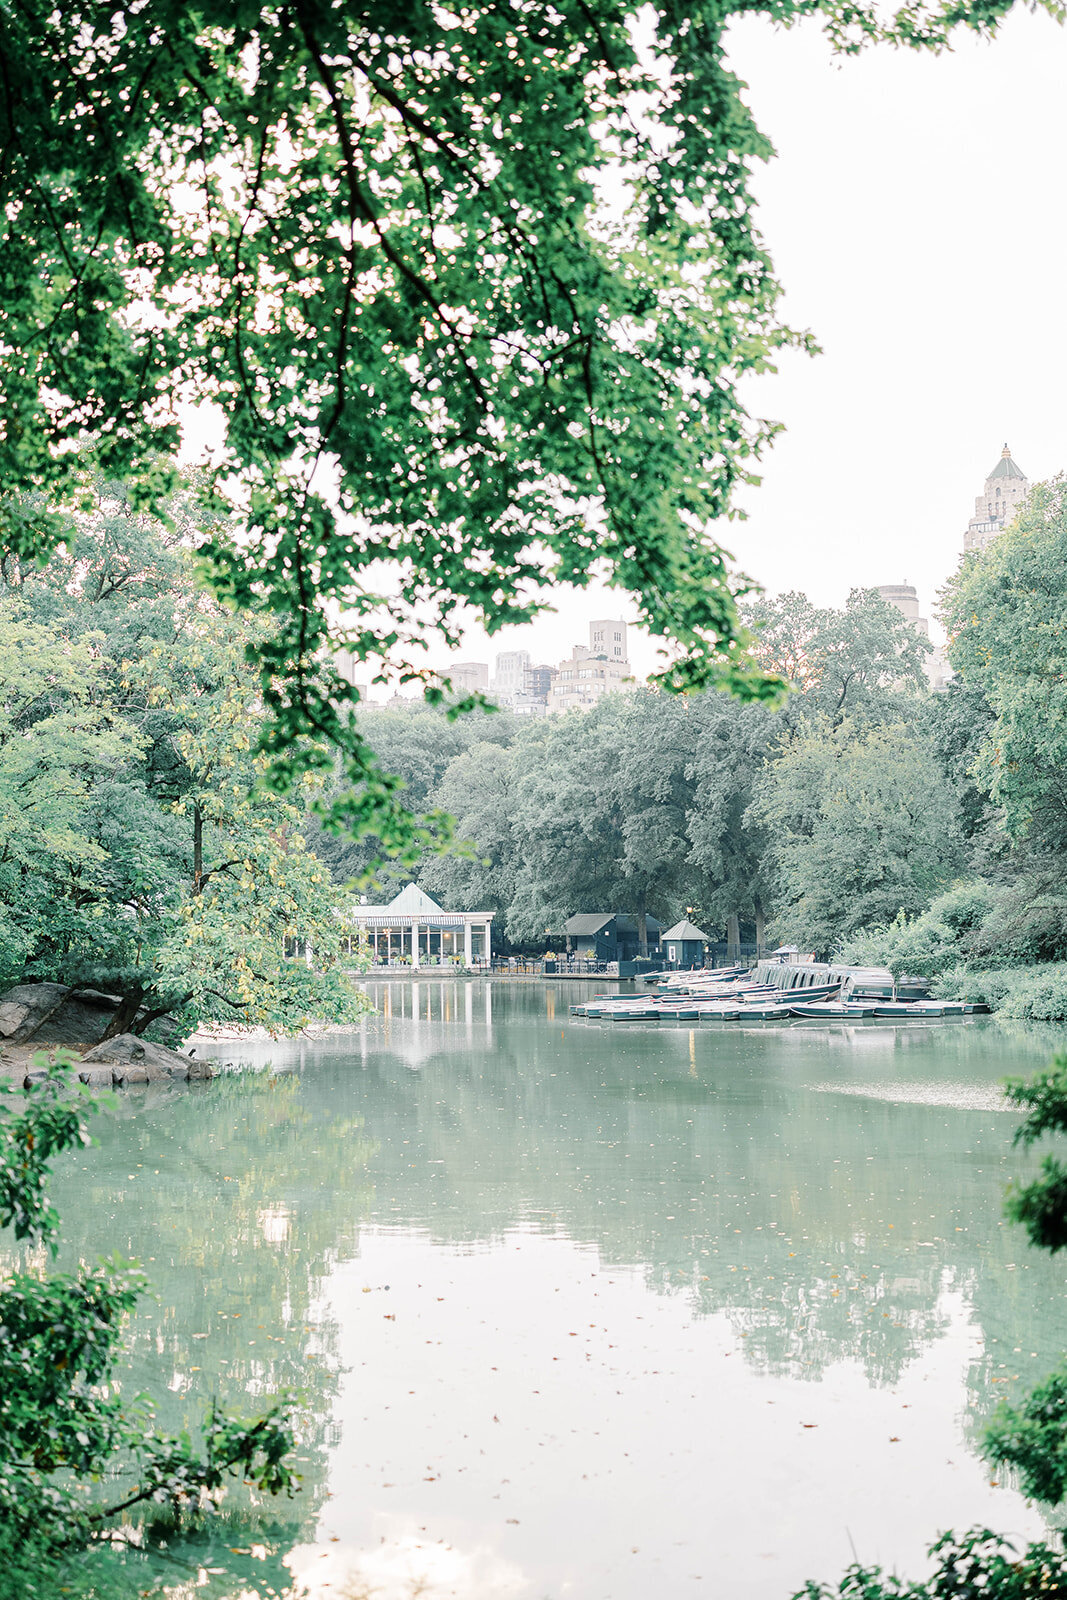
865, 817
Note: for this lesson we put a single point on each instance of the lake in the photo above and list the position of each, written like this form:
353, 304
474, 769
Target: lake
585, 1309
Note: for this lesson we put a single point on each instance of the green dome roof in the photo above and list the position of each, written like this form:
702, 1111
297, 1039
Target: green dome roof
1006, 468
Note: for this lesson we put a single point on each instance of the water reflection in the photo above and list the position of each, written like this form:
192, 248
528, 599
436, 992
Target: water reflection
827, 1214
547, 1282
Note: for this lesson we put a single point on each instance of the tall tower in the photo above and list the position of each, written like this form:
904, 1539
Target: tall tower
906, 599
1005, 488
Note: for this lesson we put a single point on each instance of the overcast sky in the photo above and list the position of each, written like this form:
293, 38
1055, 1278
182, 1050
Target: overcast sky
915, 212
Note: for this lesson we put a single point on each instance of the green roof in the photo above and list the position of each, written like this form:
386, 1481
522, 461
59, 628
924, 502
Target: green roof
1006, 468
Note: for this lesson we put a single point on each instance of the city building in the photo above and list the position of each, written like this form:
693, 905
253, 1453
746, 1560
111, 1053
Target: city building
530, 690
347, 667
906, 600
532, 699
1006, 486
538, 682
582, 681
608, 639
509, 676
601, 667
469, 677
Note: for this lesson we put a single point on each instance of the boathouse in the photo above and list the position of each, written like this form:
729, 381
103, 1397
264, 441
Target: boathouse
685, 945
415, 930
609, 936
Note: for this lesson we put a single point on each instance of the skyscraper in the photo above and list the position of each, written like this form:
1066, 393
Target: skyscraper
1005, 488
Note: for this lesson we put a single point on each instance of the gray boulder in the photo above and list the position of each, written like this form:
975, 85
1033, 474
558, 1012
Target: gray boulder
25, 1007
131, 1072
97, 1076
136, 1060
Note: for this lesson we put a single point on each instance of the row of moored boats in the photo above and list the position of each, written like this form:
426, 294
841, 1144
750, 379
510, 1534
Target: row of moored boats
733, 995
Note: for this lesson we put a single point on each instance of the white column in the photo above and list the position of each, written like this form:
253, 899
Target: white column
414, 943
468, 945
488, 943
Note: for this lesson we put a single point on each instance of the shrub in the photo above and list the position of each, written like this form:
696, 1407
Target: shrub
928, 943
979, 1566
1038, 996
966, 983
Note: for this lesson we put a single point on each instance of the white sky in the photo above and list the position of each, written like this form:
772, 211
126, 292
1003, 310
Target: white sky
916, 218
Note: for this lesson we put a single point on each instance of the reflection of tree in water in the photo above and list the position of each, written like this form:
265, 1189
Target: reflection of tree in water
236, 1198
827, 1225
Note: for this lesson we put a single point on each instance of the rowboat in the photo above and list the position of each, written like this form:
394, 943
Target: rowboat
763, 1011
842, 1010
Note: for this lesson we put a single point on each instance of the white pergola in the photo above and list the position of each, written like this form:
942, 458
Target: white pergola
413, 924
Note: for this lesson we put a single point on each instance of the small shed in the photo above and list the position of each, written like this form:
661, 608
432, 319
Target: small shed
685, 945
609, 935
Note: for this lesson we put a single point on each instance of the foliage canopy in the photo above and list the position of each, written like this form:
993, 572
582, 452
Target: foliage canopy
1005, 613
140, 851
472, 291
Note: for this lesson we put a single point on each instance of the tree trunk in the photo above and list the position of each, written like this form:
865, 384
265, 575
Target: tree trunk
198, 848
733, 937
642, 932
761, 924
125, 1016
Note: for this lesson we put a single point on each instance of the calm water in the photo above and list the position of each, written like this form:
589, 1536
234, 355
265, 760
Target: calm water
585, 1309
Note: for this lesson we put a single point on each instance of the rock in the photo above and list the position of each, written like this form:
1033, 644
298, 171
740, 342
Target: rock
200, 1071
79, 1020
98, 1076
24, 1008
127, 1072
98, 999
128, 1054
34, 1074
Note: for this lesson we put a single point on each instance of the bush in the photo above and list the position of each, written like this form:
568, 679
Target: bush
1039, 996
966, 983
928, 943
979, 1566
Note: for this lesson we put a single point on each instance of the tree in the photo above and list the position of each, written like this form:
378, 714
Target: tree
601, 815
727, 861
139, 848
58, 751
978, 1563
863, 663
1006, 612
860, 827
375, 238
480, 789
416, 744
960, 718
